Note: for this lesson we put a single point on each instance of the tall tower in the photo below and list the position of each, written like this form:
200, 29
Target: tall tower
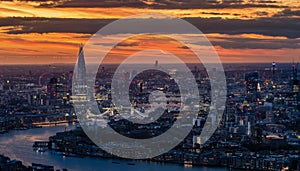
251, 86
294, 80
79, 78
52, 90
80, 70
273, 67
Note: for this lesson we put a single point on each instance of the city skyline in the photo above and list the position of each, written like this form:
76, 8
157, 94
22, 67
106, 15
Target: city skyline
128, 85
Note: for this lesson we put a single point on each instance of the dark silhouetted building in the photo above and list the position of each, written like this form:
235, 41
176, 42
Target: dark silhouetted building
251, 80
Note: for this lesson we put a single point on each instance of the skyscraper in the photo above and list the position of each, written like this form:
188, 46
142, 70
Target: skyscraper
79, 78
273, 67
251, 79
294, 79
80, 70
52, 90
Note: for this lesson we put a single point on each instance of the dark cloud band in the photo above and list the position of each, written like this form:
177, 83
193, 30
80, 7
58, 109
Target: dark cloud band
287, 27
161, 4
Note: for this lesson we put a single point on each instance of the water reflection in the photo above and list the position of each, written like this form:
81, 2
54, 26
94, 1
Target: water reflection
18, 145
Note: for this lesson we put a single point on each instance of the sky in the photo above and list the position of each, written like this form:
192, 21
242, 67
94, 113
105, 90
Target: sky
241, 31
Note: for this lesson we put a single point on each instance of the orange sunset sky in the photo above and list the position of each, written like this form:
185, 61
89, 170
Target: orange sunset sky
45, 32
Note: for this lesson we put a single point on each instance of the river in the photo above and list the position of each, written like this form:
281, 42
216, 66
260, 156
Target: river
18, 145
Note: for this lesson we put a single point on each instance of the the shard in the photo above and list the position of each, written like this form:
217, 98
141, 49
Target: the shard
79, 79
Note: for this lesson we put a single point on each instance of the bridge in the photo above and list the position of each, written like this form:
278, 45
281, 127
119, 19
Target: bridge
53, 122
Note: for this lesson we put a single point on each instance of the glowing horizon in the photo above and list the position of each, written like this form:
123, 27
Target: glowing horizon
41, 32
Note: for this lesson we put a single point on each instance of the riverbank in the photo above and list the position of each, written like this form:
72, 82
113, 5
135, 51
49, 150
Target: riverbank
18, 145
7, 164
76, 143
24, 121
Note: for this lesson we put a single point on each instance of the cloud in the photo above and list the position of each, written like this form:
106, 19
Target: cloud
183, 47
162, 4
261, 13
288, 13
53, 25
255, 43
216, 13
287, 27
128, 44
92, 3
15, 11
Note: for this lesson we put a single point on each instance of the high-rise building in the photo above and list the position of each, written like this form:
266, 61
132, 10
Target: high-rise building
80, 70
258, 134
273, 67
79, 79
141, 87
52, 90
294, 79
58, 91
251, 86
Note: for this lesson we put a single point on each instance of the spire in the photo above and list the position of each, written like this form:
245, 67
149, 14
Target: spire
81, 61
80, 71
80, 48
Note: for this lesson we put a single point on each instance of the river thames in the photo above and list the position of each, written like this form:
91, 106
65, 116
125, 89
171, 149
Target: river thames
18, 145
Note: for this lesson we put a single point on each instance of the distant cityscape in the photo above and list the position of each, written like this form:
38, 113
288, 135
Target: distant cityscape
259, 129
